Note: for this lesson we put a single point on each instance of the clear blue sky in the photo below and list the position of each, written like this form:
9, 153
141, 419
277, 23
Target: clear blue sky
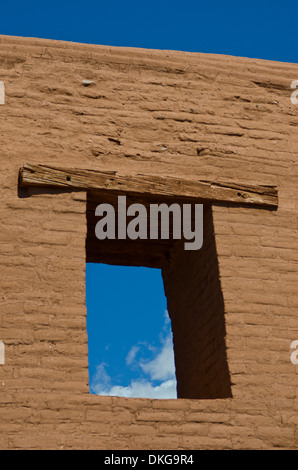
130, 350
250, 28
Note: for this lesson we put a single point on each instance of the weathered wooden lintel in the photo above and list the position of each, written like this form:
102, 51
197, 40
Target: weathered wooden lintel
42, 175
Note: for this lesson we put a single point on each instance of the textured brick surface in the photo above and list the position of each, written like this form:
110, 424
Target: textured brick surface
196, 307
172, 113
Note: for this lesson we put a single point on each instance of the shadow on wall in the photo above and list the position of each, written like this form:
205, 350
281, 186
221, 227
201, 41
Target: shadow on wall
196, 307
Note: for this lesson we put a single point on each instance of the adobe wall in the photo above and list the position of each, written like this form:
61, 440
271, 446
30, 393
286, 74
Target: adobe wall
194, 116
196, 307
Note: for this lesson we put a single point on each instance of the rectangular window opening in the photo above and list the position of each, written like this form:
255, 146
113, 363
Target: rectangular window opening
154, 285
129, 333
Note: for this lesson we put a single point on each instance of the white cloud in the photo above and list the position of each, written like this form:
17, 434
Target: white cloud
140, 389
100, 379
162, 367
167, 320
130, 358
160, 371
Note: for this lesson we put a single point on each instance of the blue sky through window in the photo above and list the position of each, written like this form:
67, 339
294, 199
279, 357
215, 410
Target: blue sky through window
129, 333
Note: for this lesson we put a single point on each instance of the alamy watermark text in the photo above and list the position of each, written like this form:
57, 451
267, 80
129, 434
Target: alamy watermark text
144, 225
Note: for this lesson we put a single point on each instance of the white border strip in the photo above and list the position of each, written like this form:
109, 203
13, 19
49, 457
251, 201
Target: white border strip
2, 353
2, 93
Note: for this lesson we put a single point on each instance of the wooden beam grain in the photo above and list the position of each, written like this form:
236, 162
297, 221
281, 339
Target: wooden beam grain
148, 185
